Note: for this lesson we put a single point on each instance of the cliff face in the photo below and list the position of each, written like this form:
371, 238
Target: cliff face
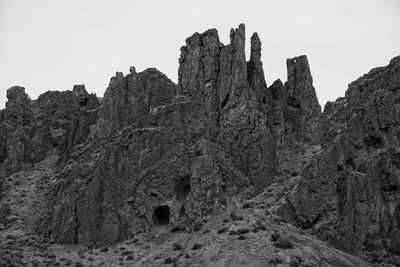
31, 128
154, 154
182, 152
349, 194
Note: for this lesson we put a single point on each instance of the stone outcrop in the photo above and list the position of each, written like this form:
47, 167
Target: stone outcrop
31, 128
156, 154
162, 163
301, 109
166, 153
349, 194
256, 77
131, 97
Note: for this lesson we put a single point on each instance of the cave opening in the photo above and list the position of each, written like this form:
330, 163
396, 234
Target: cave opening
182, 188
161, 216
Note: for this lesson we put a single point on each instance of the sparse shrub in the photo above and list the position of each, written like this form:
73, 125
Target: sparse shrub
9, 236
243, 231
255, 230
176, 246
169, 260
129, 258
277, 219
294, 173
246, 205
222, 230
275, 261
236, 217
261, 226
104, 249
242, 237
126, 252
233, 232
239, 218
196, 246
197, 226
178, 228
280, 242
294, 261
78, 264
275, 236
283, 243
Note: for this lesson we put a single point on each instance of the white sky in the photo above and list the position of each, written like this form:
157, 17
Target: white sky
54, 44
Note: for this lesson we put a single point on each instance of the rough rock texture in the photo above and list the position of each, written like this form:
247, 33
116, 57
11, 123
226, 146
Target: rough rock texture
301, 110
166, 158
349, 194
131, 97
276, 108
255, 74
201, 171
31, 128
115, 194
241, 237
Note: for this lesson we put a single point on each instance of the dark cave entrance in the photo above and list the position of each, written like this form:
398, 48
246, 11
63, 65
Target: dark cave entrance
161, 216
182, 188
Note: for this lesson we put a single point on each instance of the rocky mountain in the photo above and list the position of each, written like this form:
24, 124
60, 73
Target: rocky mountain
217, 170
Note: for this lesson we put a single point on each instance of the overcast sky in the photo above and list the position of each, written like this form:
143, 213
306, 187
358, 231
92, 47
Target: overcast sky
54, 44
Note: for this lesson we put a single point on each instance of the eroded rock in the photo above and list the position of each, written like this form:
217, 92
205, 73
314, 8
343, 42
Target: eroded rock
349, 194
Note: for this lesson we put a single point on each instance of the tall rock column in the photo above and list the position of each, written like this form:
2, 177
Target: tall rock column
256, 77
17, 119
198, 73
302, 107
245, 133
115, 107
233, 69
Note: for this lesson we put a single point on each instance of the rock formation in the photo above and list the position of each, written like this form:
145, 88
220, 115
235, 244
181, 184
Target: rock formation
187, 149
129, 98
31, 128
348, 195
221, 143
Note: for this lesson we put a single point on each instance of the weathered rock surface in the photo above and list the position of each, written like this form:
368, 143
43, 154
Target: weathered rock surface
349, 194
301, 110
185, 155
158, 161
31, 128
129, 98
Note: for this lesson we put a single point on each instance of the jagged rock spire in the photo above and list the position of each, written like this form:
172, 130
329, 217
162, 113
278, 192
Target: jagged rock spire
255, 73
302, 107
